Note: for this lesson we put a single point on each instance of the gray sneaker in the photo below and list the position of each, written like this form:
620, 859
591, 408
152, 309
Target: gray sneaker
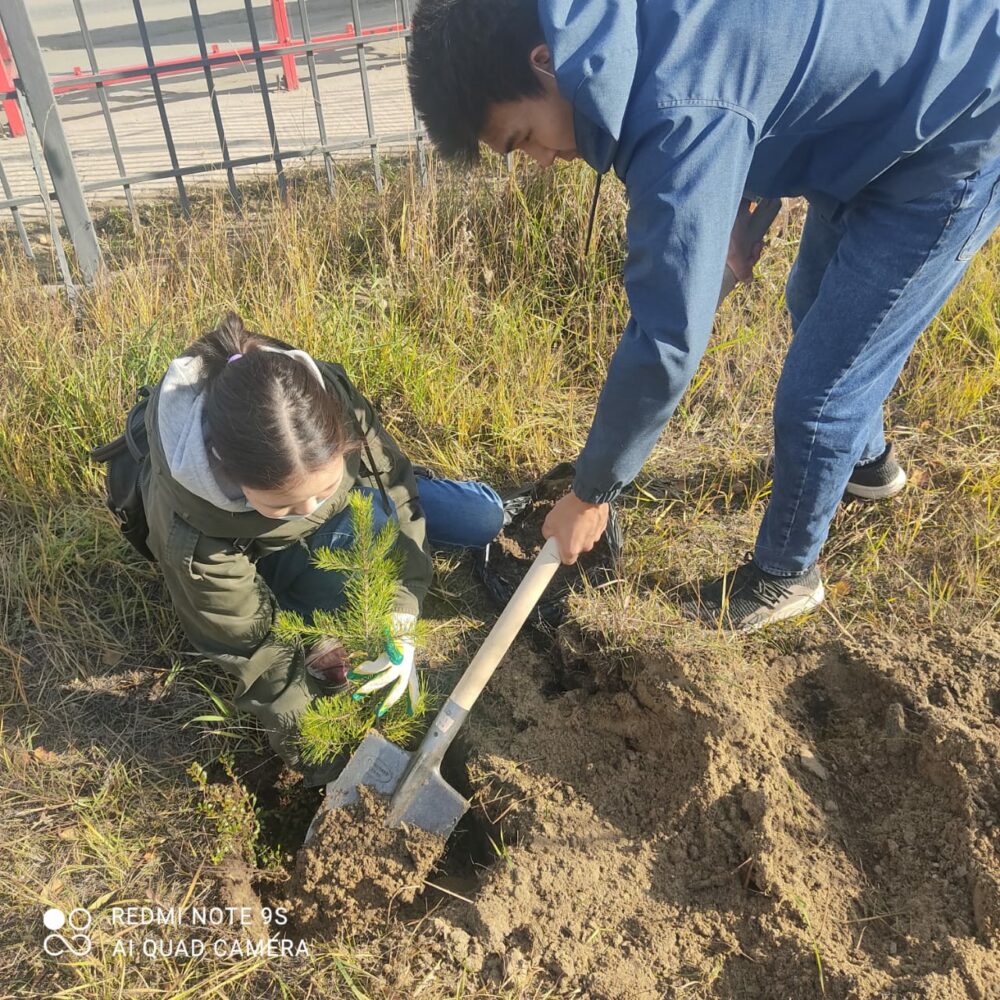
747, 598
877, 480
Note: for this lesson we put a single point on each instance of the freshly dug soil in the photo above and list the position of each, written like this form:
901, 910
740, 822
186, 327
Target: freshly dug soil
718, 827
356, 872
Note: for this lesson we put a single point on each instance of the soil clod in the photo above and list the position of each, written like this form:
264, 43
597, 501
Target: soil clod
813, 766
357, 872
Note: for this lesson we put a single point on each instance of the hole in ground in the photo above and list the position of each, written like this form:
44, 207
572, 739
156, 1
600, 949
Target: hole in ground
285, 811
285, 808
477, 843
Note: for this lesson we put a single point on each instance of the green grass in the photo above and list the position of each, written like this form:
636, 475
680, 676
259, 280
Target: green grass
466, 312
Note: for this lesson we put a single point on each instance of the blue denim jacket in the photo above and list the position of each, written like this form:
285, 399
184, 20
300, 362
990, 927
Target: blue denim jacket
694, 102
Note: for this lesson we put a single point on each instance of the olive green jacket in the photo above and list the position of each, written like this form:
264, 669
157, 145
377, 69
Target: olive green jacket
208, 558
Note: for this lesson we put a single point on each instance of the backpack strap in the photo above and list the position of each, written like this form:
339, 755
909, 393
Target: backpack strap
139, 450
125, 458
386, 506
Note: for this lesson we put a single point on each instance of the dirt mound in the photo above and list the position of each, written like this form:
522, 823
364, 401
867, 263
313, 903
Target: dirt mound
355, 872
823, 823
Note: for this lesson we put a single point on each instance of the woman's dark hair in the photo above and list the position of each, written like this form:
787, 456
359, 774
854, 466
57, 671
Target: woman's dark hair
466, 55
267, 419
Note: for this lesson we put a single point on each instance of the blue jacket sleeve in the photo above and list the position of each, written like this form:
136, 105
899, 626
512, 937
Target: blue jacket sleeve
684, 180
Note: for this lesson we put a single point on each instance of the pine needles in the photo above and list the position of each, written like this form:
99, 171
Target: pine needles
335, 725
372, 567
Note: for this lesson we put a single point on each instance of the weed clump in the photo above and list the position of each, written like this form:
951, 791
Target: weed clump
231, 809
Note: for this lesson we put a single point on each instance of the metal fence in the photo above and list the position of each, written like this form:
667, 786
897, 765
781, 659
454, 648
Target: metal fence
70, 163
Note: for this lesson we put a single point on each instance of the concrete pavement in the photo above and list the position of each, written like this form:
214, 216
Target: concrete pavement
112, 25
135, 115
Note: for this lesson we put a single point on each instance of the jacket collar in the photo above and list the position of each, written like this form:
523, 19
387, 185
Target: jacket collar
595, 51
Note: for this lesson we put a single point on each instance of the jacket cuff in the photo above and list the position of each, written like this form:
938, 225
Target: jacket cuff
591, 489
406, 604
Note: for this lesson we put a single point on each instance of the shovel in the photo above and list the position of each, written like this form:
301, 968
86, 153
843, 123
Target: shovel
420, 796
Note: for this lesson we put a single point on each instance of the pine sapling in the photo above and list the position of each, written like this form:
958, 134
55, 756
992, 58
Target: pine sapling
363, 624
371, 567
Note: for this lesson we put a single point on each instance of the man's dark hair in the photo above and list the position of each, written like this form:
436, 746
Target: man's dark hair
466, 55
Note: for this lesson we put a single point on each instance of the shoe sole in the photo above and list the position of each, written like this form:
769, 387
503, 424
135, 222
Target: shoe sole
800, 606
883, 492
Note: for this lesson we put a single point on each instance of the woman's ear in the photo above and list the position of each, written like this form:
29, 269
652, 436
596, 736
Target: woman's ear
541, 60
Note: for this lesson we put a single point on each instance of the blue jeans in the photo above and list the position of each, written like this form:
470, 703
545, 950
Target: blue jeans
869, 277
458, 515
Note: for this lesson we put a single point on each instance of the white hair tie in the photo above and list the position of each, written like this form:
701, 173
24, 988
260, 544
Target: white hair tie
299, 356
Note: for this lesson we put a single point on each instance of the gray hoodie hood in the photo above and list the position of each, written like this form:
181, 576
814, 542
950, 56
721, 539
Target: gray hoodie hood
180, 416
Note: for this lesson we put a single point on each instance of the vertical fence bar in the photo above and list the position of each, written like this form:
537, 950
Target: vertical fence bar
40, 102
43, 188
421, 153
105, 108
366, 93
283, 36
266, 98
7, 72
317, 100
213, 98
18, 224
160, 106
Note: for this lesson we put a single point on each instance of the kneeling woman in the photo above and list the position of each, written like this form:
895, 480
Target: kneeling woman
254, 447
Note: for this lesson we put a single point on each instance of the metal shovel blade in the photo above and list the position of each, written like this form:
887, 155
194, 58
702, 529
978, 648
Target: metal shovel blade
424, 799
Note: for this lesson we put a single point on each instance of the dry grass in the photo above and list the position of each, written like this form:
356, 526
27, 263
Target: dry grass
466, 312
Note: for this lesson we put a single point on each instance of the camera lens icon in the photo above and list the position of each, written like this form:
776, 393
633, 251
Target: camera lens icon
78, 943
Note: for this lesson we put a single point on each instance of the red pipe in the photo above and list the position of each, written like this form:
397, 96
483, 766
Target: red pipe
284, 35
140, 71
7, 74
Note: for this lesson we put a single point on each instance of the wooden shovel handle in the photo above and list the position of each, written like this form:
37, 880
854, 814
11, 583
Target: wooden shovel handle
503, 633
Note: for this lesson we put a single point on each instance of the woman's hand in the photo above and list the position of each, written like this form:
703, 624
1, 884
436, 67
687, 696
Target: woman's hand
395, 666
328, 661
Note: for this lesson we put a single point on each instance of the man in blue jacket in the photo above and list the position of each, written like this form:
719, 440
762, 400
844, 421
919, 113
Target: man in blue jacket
884, 116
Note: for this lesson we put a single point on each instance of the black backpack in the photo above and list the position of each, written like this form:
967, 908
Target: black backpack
125, 458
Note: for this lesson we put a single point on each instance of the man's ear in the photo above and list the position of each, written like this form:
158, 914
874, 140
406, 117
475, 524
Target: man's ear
541, 60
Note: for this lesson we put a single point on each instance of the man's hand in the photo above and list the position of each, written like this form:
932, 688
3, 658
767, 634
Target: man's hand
576, 526
743, 254
328, 661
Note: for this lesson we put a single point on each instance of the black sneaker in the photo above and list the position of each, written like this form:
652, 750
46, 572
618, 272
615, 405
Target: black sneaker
748, 598
880, 479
